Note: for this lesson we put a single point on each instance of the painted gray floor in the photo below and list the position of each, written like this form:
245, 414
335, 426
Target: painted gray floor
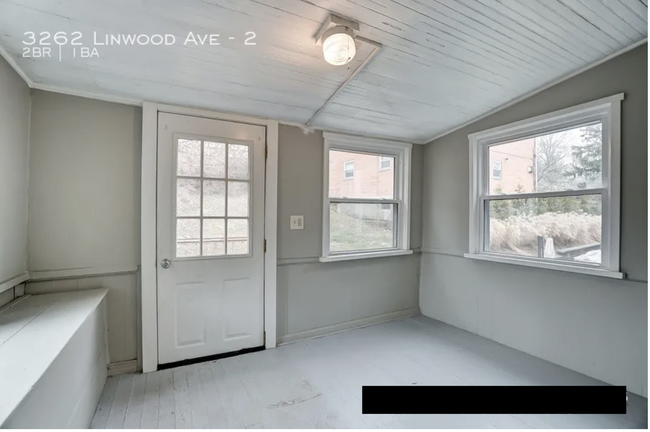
317, 384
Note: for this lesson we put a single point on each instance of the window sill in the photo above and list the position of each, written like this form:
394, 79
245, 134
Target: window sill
357, 256
547, 265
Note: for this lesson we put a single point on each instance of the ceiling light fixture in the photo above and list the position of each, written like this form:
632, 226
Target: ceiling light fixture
339, 47
337, 36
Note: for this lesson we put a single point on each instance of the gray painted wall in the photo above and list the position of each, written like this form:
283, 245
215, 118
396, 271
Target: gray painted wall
84, 194
84, 198
593, 325
14, 151
314, 297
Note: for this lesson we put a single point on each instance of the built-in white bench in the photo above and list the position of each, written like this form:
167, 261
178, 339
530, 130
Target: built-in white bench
53, 359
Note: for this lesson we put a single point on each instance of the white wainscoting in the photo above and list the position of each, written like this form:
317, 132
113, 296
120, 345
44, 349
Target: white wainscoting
122, 309
317, 298
53, 349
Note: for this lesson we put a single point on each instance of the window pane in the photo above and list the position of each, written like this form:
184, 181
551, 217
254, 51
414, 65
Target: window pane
214, 198
238, 161
356, 227
214, 159
188, 162
188, 197
214, 237
237, 236
560, 228
359, 175
567, 160
238, 199
188, 237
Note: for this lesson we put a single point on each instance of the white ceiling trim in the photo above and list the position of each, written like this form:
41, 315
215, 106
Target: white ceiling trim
540, 89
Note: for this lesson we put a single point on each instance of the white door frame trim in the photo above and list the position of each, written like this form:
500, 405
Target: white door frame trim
148, 284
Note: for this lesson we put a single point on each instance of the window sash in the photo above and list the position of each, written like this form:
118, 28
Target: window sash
485, 197
485, 236
364, 201
400, 153
396, 212
396, 216
607, 111
555, 194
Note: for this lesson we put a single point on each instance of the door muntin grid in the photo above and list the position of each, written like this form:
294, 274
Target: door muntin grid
212, 197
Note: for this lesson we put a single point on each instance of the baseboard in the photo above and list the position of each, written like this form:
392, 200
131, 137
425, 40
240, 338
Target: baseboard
123, 367
337, 328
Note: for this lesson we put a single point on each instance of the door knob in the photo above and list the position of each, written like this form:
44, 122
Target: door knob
165, 263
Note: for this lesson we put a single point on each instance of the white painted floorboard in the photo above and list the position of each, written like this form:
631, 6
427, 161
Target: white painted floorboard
317, 384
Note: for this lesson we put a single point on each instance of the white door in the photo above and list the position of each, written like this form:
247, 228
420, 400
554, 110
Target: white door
210, 241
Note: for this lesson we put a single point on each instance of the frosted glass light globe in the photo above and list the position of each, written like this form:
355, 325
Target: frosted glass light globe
338, 46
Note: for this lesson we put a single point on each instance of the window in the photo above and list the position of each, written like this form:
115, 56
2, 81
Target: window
557, 204
212, 198
366, 212
385, 162
496, 169
348, 170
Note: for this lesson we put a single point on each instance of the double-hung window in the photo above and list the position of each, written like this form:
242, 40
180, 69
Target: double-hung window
545, 192
366, 198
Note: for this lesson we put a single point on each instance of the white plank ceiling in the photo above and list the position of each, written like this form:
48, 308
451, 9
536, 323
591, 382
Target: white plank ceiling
443, 62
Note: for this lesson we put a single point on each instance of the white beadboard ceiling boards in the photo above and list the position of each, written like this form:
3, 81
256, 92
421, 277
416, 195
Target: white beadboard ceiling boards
442, 62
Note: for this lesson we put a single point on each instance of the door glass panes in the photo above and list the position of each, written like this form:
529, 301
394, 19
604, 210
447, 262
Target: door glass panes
188, 197
188, 231
238, 199
189, 158
237, 236
238, 161
214, 237
212, 198
214, 160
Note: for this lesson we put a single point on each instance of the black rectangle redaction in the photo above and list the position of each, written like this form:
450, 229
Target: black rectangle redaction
494, 399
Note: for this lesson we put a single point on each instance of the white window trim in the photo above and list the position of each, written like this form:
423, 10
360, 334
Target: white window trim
608, 111
402, 153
